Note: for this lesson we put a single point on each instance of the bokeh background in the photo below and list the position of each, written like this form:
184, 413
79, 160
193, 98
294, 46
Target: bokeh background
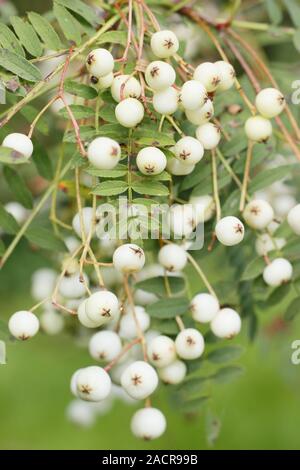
259, 410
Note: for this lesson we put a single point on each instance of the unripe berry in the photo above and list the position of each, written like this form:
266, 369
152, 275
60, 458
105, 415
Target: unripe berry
177, 168
128, 324
102, 83
208, 74
204, 307
174, 373
70, 287
105, 346
87, 220
278, 272
269, 102
42, 283
258, 214
104, 153
230, 231
189, 344
159, 75
125, 86
165, 101
189, 150
182, 220
84, 319
161, 351
293, 219
102, 306
209, 135
129, 258
17, 211
226, 324
129, 112
227, 75
201, 115
193, 95
139, 380
148, 423
258, 129
52, 322
172, 257
20, 143
265, 243
204, 207
100, 62
151, 161
93, 384
23, 325
164, 44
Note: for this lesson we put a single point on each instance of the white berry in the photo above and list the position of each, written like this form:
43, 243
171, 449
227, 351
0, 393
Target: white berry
139, 380
172, 257
293, 219
208, 74
105, 346
100, 62
258, 129
161, 351
129, 258
165, 101
209, 135
102, 83
128, 323
278, 272
84, 319
226, 324
201, 115
17, 211
125, 86
177, 168
258, 214
159, 75
71, 287
164, 44
80, 413
189, 344
182, 220
93, 384
265, 243
151, 161
148, 423
104, 153
193, 95
86, 217
189, 150
52, 322
23, 325
129, 112
204, 207
227, 75
204, 307
42, 283
102, 306
20, 143
269, 102
174, 373
230, 231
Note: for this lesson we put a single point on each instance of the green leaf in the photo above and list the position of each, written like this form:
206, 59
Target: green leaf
292, 310
114, 131
27, 35
267, 177
7, 221
225, 354
113, 37
150, 137
153, 188
69, 25
235, 145
279, 294
168, 308
194, 404
83, 10
117, 172
19, 66
2, 247
18, 187
110, 188
86, 133
30, 112
11, 157
293, 8
42, 161
9, 41
156, 285
253, 269
44, 238
212, 428
80, 89
296, 40
79, 112
193, 384
107, 113
226, 374
274, 11
46, 32
200, 174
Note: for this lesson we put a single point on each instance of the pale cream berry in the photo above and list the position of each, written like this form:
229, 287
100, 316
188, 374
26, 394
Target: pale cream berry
193, 95
151, 161
148, 423
165, 101
129, 258
20, 143
23, 325
204, 307
102, 83
209, 135
105, 346
230, 231
164, 44
189, 344
278, 272
258, 214
100, 62
102, 307
104, 153
201, 115
270, 102
125, 86
189, 150
204, 207
139, 380
226, 324
92, 383
293, 219
258, 129
129, 112
208, 74
160, 75
172, 257
161, 351
227, 75
174, 373
84, 319
177, 168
